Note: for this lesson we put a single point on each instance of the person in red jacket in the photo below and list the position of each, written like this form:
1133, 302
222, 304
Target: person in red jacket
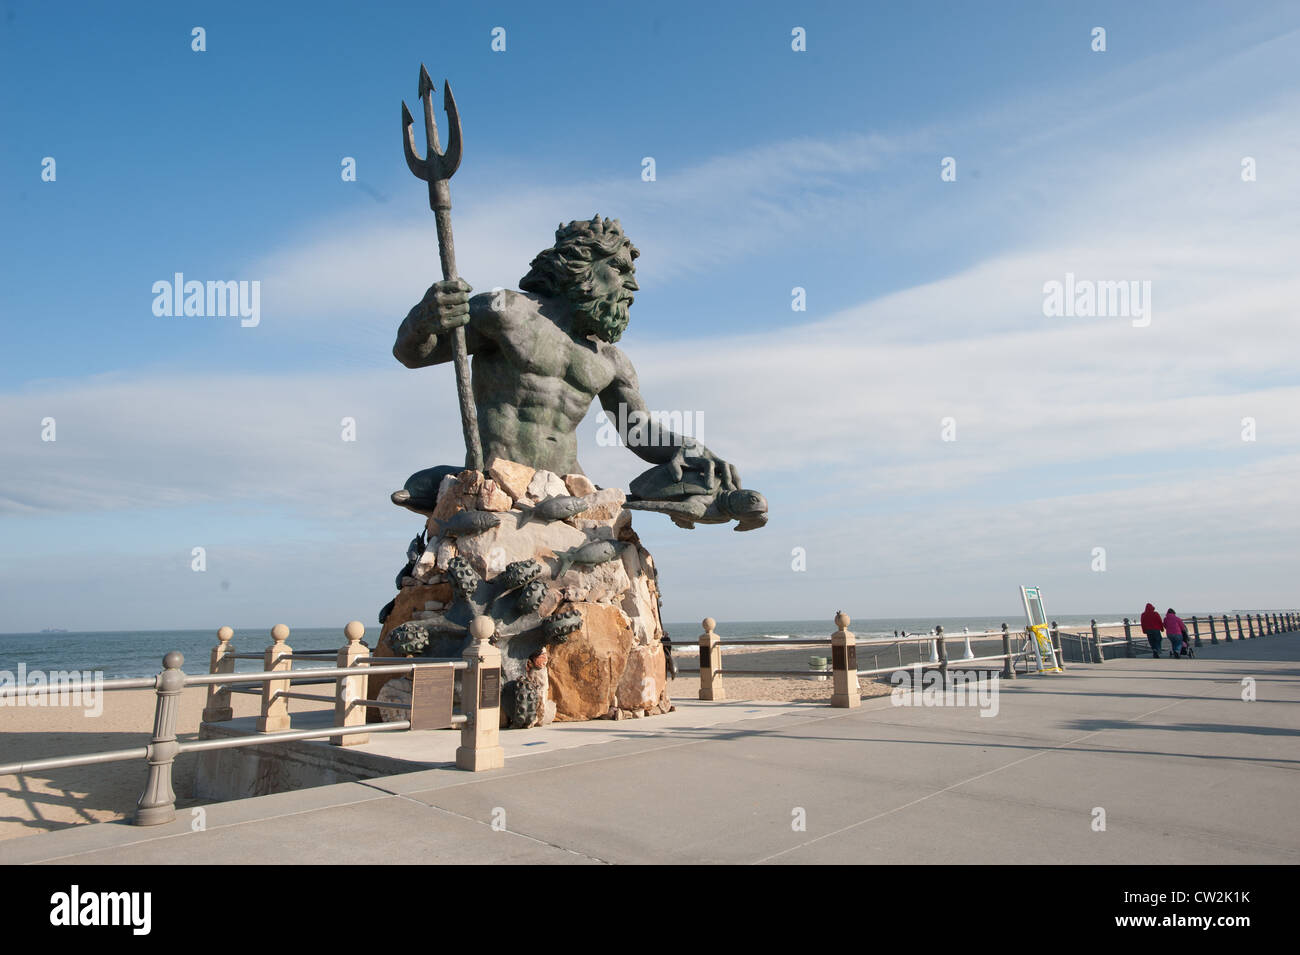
1152, 626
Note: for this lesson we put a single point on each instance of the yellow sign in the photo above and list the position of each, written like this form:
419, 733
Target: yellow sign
1046, 652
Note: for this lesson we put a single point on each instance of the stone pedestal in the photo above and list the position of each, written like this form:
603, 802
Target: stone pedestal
844, 665
554, 562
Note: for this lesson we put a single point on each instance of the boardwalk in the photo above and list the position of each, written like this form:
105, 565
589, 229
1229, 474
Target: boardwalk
1185, 770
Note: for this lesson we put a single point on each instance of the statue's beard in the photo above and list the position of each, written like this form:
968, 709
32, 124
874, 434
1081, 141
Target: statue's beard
606, 318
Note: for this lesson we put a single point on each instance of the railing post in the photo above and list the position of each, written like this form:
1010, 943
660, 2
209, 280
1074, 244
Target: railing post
1196, 633
1008, 670
480, 694
275, 707
157, 804
1096, 643
1128, 638
1250, 627
711, 687
846, 693
349, 689
1055, 636
222, 661
1213, 637
967, 653
1227, 631
942, 647
1272, 624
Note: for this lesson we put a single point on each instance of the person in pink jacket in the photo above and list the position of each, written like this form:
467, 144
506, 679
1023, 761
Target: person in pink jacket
1177, 634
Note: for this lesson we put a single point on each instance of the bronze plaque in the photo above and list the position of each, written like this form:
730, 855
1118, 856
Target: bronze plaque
704, 657
853, 657
837, 658
489, 688
431, 697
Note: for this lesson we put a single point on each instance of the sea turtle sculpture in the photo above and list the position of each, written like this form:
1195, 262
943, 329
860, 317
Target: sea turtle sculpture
747, 508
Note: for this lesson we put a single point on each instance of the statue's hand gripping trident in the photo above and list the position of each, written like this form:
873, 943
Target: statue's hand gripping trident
436, 168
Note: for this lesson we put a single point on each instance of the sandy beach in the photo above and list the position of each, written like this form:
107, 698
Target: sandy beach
43, 801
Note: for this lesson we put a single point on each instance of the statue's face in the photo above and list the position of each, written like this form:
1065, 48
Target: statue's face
603, 311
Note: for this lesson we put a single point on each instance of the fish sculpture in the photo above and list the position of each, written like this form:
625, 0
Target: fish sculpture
588, 555
467, 523
558, 508
420, 492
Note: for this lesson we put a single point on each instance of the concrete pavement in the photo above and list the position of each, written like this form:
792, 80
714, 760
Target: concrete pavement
1184, 769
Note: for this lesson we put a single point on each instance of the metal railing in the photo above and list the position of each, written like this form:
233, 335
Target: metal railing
431, 706
1087, 647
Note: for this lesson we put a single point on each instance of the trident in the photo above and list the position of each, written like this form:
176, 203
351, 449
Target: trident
435, 169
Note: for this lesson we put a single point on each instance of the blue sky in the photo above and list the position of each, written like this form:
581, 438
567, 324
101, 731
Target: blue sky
775, 169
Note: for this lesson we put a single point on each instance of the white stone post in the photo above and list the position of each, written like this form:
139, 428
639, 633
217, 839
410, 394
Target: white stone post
968, 653
275, 706
846, 693
711, 687
157, 804
349, 689
222, 660
480, 695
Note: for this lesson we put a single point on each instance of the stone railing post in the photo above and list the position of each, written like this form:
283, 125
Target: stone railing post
480, 694
222, 660
1008, 670
1096, 643
1055, 636
349, 689
1227, 630
1196, 633
1250, 628
1213, 637
1272, 624
157, 804
844, 665
1128, 638
275, 706
942, 647
711, 687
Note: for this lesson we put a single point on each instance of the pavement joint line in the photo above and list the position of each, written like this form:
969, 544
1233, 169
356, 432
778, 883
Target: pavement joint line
596, 759
192, 832
963, 782
513, 832
816, 715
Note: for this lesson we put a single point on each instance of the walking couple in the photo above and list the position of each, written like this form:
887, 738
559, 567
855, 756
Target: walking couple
1173, 625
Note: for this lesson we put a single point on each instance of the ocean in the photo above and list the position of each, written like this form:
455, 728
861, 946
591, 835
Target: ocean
139, 653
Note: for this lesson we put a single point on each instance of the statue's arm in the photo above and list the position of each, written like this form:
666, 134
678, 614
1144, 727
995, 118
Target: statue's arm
425, 335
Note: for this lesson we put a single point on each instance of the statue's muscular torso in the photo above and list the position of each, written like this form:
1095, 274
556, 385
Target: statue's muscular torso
533, 378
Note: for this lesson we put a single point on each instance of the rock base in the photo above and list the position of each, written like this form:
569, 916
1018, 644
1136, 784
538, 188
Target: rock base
577, 588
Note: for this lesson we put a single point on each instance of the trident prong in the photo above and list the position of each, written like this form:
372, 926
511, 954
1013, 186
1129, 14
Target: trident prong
438, 164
